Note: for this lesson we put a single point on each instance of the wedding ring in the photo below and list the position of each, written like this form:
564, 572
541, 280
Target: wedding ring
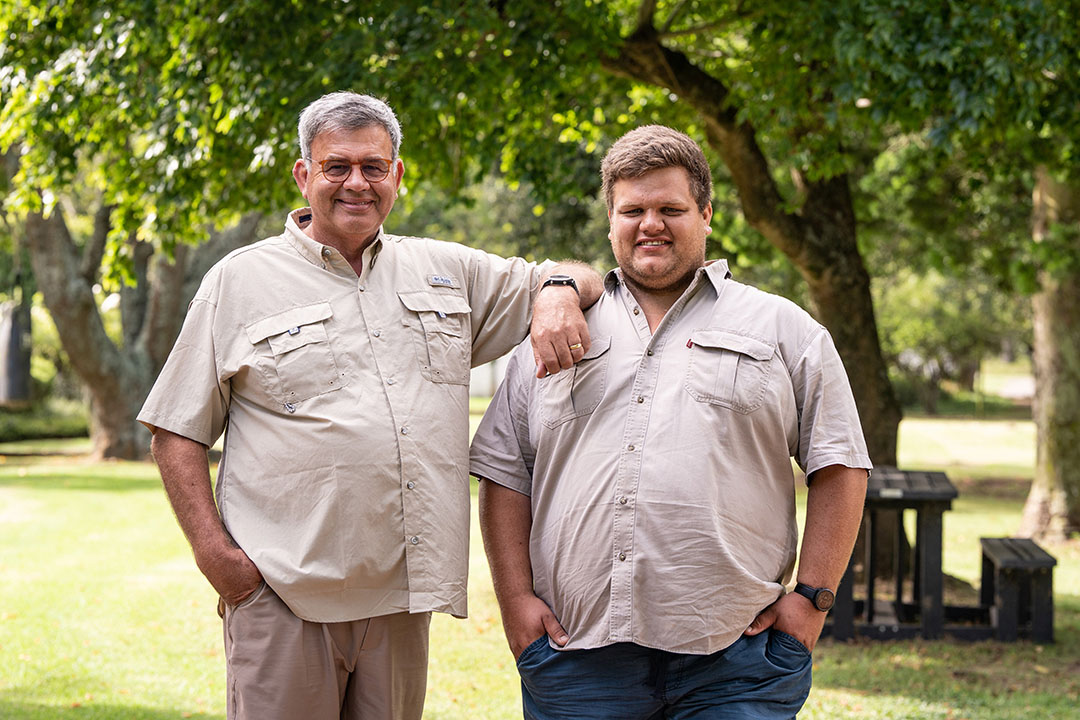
575, 346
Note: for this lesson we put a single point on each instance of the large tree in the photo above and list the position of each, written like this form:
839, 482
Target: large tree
996, 84
100, 162
189, 112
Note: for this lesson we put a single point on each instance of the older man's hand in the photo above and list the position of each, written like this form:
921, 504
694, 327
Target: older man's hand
232, 573
559, 333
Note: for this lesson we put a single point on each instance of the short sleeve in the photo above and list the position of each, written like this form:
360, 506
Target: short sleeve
829, 429
501, 448
189, 397
501, 294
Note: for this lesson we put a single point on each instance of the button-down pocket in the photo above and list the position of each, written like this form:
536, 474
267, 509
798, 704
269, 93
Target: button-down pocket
729, 369
575, 392
300, 350
441, 334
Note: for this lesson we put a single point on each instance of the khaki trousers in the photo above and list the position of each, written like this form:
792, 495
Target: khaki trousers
280, 667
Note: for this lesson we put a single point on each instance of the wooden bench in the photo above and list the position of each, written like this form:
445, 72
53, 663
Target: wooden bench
1017, 587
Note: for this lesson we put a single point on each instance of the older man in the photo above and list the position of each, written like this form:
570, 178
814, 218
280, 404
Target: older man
639, 511
336, 357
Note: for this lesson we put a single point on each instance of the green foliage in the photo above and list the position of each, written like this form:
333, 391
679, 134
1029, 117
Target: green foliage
988, 91
507, 220
935, 327
52, 419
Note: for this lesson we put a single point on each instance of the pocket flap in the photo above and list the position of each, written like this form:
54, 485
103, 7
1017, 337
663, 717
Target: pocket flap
426, 301
597, 347
723, 340
292, 318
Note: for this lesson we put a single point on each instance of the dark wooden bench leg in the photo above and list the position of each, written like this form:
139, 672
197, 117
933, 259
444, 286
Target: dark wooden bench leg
986, 584
931, 582
843, 612
1007, 604
871, 563
1042, 606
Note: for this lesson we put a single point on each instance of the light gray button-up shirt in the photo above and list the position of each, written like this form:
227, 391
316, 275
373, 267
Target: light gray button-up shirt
659, 468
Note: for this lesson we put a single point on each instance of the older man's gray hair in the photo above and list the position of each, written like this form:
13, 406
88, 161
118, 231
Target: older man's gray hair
346, 111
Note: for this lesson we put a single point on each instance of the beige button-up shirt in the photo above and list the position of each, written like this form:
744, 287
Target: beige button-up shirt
344, 401
659, 468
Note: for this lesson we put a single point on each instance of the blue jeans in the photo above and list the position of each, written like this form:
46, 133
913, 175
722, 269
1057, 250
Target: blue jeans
762, 676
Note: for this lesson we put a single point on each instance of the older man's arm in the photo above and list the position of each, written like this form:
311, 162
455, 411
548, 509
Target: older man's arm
834, 507
185, 472
559, 333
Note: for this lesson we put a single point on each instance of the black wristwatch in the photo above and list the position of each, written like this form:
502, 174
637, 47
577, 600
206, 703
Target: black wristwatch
565, 280
823, 598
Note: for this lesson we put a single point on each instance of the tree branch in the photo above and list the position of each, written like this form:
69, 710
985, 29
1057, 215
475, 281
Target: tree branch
675, 12
644, 58
133, 300
95, 249
70, 300
645, 13
695, 30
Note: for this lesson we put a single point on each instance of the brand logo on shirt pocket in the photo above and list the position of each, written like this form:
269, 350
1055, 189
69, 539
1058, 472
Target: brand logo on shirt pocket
300, 352
729, 369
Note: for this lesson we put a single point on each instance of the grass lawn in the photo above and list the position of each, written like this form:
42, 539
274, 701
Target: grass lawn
104, 615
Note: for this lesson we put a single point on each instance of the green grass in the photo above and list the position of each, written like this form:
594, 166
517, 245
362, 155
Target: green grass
104, 615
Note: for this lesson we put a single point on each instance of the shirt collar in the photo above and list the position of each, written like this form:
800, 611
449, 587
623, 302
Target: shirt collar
715, 270
312, 250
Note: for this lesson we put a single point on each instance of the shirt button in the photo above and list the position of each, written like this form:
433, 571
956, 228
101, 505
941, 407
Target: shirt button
414, 540
410, 484
649, 352
622, 556
390, 381
404, 430
641, 398
622, 501
326, 252
630, 448
637, 311
376, 333
360, 288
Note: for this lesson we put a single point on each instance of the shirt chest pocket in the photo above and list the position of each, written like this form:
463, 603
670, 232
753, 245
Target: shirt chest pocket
576, 392
300, 354
441, 334
729, 369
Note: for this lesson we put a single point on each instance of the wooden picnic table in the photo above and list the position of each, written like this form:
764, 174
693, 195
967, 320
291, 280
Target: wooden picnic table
890, 490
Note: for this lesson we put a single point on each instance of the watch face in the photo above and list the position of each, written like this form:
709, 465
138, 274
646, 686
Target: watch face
824, 599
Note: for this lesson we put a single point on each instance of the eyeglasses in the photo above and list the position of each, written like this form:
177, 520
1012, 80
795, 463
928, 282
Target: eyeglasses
373, 169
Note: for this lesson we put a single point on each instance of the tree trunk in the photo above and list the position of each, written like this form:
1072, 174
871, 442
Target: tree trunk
819, 239
1052, 511
118, 379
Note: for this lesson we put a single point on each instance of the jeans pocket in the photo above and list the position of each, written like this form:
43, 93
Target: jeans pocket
783, 648
531, 649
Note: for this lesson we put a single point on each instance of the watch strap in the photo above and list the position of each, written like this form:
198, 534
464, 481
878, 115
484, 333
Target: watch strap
822, 598
561, 280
